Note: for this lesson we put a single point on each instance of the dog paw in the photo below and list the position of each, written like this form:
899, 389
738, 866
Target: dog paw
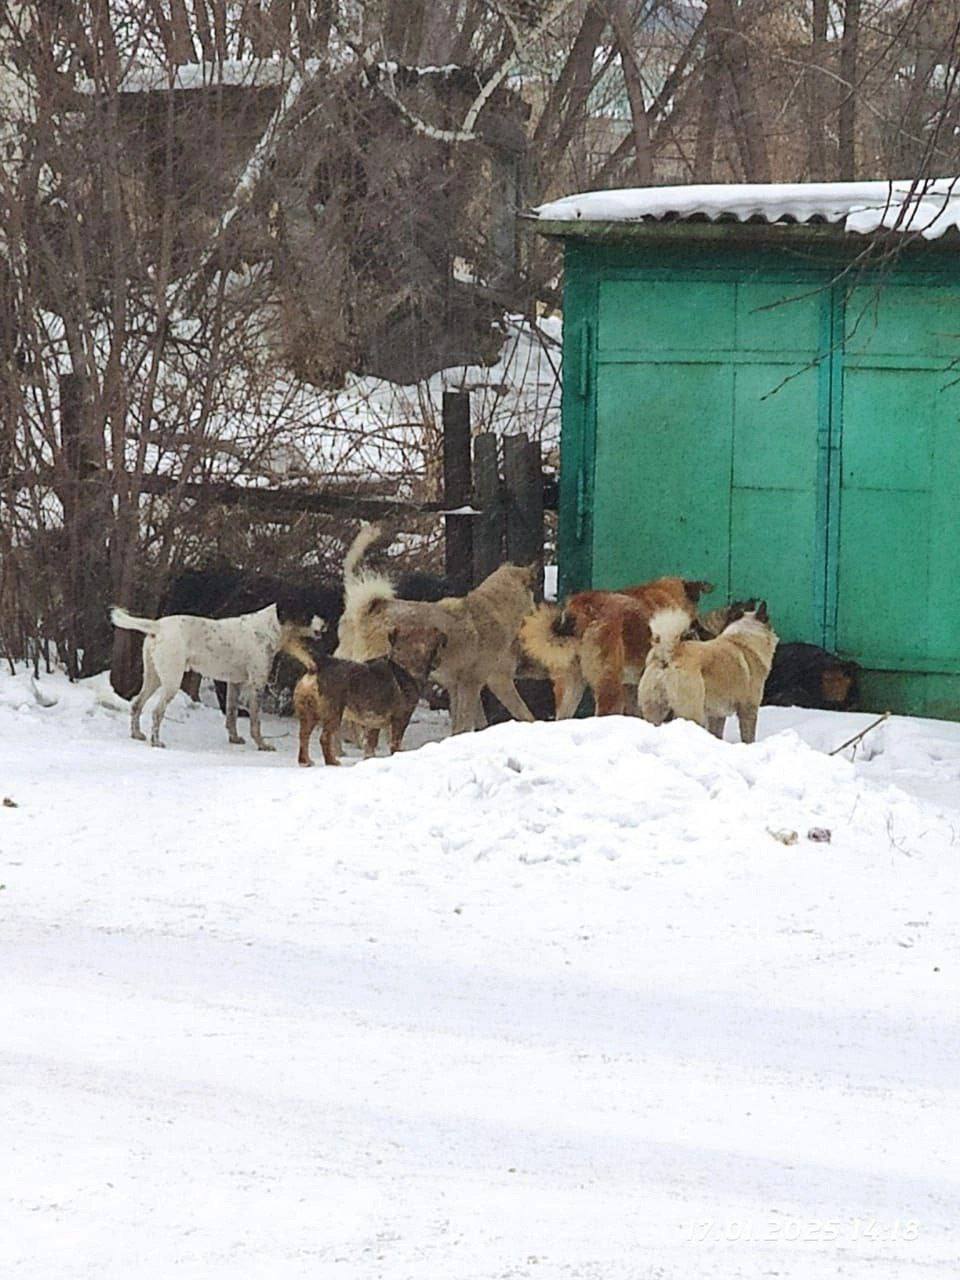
265, 746
237, 741
305, 764
138, 736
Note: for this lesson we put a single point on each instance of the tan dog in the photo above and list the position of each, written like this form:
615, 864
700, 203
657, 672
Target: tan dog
380, 694
480, 629
601, 639
708, 680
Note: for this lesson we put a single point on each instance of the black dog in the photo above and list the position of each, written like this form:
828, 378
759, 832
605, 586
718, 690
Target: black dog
804, 675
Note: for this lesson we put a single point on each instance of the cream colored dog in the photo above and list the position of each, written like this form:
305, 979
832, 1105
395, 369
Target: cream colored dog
708, 680
480, 628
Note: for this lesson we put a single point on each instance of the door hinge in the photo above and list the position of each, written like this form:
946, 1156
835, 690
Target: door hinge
583, 379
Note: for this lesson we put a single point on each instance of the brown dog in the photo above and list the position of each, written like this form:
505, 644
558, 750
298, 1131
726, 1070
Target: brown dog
378, 694
601, 639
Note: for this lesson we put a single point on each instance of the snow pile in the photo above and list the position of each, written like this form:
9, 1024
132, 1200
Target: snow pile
930, 207
559, 1001
620, 788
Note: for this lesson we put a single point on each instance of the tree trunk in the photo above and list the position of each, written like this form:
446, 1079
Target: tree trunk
847, 117
710, 94
817, 91
749, 120
642, 153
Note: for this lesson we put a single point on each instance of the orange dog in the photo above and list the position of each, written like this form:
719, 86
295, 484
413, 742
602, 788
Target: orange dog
601, 639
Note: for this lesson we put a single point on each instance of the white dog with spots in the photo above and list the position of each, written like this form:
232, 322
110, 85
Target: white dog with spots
238, 650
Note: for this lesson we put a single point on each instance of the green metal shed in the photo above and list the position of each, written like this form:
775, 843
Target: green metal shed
762, 388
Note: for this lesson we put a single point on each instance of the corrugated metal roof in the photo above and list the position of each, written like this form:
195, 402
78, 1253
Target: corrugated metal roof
928, 207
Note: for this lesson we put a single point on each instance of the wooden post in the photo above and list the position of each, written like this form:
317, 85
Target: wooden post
524, 483
458, 539
488, 527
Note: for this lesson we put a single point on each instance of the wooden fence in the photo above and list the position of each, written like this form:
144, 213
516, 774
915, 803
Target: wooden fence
493, 500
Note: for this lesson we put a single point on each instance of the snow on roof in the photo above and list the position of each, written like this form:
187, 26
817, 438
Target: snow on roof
929, 207
255, 73
248, 72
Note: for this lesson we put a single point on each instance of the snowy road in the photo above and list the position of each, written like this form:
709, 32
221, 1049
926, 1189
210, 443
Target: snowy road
549, 1001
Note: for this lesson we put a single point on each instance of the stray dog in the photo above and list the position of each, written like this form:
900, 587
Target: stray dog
237, 650
708, 680
601, 639
481, 630
802, 675
380, 693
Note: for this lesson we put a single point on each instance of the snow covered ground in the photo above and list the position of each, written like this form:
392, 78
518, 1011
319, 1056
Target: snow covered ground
549, 1001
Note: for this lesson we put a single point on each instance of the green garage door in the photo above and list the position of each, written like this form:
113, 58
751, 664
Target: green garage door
709, 454
899, 530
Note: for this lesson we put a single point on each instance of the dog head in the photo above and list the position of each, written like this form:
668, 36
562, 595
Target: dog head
839, 684
752, 611
695, 589
297, 612
417, 649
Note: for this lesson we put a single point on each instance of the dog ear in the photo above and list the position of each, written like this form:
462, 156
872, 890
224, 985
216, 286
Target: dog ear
695, 589
761, 612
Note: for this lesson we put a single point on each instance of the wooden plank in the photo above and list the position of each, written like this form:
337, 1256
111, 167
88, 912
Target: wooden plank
490, 526
457, 489
535, 506
284, 504
524, 485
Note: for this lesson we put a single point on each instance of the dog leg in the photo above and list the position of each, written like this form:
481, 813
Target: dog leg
716, 725
308, 723
503, 688
151, 683
398, 727
609, 696
567, 696
371, 739
255, 734
329, 737
233, 693
467, 697
654, 706
480, 716
166, 697
748, 723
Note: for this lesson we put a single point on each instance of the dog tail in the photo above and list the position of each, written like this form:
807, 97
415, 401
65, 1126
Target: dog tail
563, 624
667, 627
363, 592
367, 535
127, 622
542, 641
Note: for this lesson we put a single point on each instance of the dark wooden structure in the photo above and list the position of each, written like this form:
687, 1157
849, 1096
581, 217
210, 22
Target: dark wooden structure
493, 506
